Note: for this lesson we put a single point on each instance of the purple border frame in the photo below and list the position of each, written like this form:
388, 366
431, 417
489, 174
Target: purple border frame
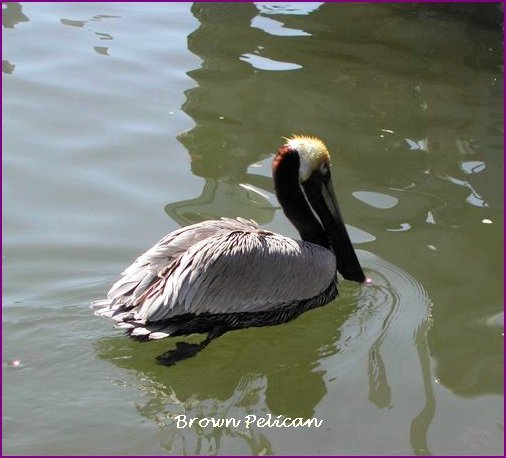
331, 1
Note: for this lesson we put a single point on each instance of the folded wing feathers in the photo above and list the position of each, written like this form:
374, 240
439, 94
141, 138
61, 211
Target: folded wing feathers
241, 272
148, 289
221, 266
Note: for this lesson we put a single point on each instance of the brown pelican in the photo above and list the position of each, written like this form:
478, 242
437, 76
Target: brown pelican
227, 274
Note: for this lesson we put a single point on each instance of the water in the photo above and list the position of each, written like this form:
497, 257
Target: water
123, 122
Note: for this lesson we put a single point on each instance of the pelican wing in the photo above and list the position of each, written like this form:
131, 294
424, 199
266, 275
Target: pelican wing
243, 270
146, 270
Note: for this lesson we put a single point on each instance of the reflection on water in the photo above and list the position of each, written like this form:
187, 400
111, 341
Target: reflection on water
7, 67
369, 327
223, 198
103, 50
12, 14
221, 148
98, 17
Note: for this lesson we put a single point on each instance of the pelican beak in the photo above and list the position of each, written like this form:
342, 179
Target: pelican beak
321, 197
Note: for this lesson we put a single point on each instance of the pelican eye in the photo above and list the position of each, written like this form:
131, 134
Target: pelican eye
324, 168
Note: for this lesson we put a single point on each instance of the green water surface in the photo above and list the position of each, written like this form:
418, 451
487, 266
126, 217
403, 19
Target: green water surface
124, 121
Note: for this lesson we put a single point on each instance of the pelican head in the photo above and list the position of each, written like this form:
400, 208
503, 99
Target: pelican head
313, 154
302, 178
